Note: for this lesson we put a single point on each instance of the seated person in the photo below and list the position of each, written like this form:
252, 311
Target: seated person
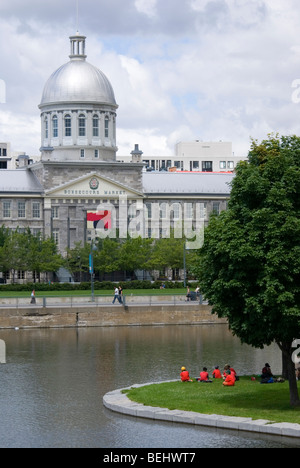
217, 373
204, 377
230, 379
231, 369
185, 376
266, 374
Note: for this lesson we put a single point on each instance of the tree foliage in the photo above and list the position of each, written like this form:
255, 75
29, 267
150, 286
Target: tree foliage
249, 265
23, 251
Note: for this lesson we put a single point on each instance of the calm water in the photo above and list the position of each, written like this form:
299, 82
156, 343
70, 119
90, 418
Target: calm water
54, 380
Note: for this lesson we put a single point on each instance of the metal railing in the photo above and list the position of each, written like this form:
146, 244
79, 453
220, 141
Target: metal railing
98, 300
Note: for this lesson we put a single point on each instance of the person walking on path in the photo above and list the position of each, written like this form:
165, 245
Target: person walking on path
120, 294
32, 297
117, 296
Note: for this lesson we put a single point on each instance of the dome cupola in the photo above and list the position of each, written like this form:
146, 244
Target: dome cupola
78, 81
78, 110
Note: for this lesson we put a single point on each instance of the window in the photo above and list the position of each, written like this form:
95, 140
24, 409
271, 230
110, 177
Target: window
230, 165
207, 166
82, 154
95, 126
68, 126
36, 210
55, 235
163, 210
176, 211
21, 274
4, 152
216, 207
55, 212
188, 211
82, 125
55, 126
21, 210
6, 209
149, 210
222, 164
96, 153
179, 165
46, 128
106, 127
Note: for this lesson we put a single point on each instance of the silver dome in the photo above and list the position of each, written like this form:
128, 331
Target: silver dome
78, 82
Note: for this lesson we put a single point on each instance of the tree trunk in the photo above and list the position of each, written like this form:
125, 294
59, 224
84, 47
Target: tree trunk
286, 349
285, 372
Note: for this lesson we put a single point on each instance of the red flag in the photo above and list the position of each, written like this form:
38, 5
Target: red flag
93, 218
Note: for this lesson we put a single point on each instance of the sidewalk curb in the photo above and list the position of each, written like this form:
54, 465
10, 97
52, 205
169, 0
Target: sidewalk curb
120, 403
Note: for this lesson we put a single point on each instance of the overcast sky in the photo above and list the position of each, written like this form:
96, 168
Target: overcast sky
181, 70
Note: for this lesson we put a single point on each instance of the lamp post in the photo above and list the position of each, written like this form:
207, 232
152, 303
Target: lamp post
91, 268
184, 264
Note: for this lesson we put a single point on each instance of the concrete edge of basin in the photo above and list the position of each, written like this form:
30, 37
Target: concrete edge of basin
118, 401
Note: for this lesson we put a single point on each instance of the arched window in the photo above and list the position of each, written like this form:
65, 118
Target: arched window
55, 126
106, 127
68, 125
46, 127
82, 125
95, 126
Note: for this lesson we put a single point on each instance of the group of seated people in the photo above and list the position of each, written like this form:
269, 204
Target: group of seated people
229, 375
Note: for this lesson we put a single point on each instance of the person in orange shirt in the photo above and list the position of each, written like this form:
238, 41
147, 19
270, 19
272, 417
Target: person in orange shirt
229, 380
217, 373
231, 369
185, 376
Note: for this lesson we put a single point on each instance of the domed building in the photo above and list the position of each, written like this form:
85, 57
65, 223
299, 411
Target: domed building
78, 174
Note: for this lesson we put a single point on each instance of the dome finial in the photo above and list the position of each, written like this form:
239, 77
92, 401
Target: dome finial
77, 47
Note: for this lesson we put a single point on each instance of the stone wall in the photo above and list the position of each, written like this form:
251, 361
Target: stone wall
106, 316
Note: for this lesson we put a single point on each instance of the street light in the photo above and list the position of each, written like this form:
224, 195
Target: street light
91, 268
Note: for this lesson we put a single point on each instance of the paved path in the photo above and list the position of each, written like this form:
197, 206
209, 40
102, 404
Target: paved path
119, 402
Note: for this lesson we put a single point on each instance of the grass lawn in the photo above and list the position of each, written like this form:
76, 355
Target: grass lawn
135, 292
246, 399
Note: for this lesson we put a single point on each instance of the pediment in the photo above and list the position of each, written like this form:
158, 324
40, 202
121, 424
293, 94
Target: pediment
93, 186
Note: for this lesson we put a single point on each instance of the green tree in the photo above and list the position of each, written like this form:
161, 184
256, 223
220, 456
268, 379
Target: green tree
134, 253
13, 254
106, 257
77, 259
249, 265
166, 253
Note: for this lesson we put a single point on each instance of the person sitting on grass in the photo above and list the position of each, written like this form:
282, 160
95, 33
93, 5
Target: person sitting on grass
231, 369
266, 374
217, 373
185, 376
204, 377
230, 379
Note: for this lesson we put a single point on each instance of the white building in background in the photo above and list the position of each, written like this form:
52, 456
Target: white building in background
13, 159
191, 156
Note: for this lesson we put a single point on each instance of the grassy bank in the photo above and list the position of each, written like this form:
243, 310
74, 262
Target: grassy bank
246, 399
100, 292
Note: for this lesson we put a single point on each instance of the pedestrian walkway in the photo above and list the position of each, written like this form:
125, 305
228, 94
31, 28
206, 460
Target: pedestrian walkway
119, 402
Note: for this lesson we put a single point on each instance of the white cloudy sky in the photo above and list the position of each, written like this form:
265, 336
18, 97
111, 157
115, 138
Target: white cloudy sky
181, 69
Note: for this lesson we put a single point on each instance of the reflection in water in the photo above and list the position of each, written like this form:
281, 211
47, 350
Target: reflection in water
54, 380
